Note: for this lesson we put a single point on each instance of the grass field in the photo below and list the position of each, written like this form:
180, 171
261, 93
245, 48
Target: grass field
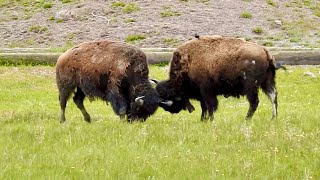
34, 145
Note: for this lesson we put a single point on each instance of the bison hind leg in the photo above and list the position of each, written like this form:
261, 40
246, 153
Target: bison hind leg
270, 90
78, 100
64, 95
253, 99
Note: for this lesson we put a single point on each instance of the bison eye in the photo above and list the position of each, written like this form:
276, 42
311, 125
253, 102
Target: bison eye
178, 98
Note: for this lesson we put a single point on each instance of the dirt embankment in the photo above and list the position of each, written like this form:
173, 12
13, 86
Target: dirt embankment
149, 23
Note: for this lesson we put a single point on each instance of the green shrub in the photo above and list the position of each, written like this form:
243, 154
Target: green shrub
66, 1
130, 20
47, 5
268, 43
37, 29
130, 7
170, 41
246, 15
118, 4
51, 18
169, 13
295, 39
134, 37
307, 2
317, 13
271, 2
257, 30
59, 21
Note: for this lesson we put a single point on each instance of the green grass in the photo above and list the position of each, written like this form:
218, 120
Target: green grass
271, 2
257, 30
130, 20
168, 13
33, 144
134, 37
246, 15
37, 29
118, 4
130, 7
170, 41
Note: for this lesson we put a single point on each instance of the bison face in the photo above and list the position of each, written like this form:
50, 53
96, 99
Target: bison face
144, 105
171, 100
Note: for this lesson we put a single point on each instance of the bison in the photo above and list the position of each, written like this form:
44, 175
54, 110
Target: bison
208, 66
112, 71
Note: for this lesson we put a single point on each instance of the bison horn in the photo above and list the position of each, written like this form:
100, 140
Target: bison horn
139, 100
154, 81
167, 102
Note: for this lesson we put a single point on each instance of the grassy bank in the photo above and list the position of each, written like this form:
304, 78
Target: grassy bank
33, 145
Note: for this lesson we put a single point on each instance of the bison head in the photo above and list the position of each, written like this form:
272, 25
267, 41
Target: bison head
172, 100
144, 105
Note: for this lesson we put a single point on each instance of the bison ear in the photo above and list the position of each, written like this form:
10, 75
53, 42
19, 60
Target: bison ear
139, 100
167, 102
154, 81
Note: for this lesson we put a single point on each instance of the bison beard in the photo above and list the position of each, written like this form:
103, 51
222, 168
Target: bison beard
114, 72
209, 66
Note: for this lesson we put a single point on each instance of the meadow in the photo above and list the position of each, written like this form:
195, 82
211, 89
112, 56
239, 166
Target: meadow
34, 145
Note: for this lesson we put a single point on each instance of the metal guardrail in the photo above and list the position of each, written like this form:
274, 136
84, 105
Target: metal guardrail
288, 56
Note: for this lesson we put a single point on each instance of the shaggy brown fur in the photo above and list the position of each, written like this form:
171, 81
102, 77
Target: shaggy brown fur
114, 72
213, 65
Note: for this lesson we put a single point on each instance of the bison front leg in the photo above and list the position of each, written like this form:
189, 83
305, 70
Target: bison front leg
212, 103
119, 105
254, 102
209, 104
204, 114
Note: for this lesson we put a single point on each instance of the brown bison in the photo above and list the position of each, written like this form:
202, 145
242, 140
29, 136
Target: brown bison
114, 72
208, 66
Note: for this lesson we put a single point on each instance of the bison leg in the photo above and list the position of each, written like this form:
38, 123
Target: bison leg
270, 90
119, 104
212, 104
209, 103
253, 99
78, 100
204, 114
64, 94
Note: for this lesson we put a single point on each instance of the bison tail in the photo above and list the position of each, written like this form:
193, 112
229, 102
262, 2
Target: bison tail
273, 62
271, 59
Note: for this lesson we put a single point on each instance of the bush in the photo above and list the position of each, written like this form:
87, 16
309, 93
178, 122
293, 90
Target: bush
271, 3
118, 4
268, 43
169, 13
37, 29
257, 30
246, 15
134, 37
295, 39
130, 20
130, 7
47, 5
